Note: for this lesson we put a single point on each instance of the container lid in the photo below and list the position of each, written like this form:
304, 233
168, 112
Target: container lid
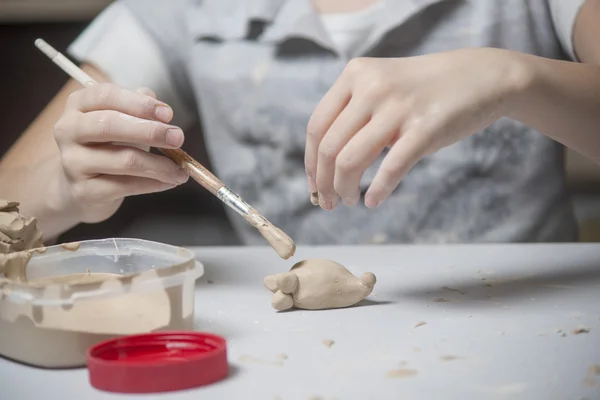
157, 362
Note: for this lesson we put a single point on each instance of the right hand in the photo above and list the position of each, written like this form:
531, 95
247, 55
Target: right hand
98, 173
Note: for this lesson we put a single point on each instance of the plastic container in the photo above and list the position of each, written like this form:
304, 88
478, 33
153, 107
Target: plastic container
52, 323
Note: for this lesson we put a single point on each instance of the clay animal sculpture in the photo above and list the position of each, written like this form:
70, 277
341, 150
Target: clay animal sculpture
318, 284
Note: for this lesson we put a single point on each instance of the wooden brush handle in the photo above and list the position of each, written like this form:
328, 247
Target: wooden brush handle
196, 170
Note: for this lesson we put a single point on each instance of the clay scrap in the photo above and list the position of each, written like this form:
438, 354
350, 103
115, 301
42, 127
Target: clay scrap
318, 284
581, 330
18, 236
73, 246
17, 233
256, 360
402, 373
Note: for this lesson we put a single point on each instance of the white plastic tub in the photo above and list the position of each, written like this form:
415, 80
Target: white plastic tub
52, 324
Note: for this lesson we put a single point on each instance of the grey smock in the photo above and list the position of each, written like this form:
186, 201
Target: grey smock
255, 70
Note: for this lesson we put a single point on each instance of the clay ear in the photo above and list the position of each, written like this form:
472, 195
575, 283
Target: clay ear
270, 283
281, 301
369, 279
287, 282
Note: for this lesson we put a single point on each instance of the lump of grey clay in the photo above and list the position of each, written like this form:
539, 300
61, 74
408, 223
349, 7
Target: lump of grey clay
318, 284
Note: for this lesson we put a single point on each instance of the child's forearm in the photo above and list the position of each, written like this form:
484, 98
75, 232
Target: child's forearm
561, 100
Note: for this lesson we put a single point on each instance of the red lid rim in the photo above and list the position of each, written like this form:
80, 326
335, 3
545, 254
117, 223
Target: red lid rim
145, 363
218, 342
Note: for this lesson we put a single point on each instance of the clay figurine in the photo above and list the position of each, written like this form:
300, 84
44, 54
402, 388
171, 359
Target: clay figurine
318, 284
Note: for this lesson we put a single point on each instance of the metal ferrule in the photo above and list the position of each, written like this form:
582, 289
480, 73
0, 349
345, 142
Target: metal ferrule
233, 200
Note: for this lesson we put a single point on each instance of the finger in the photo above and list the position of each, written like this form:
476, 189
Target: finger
108, 96
122, 160
108, 188
147, 92
330, 106
403, 155
346, 125
362, 151
114, 126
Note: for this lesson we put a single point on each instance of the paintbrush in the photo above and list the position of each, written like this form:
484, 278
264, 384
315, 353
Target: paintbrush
281, 243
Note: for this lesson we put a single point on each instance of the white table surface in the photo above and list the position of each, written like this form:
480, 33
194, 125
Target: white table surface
505, 336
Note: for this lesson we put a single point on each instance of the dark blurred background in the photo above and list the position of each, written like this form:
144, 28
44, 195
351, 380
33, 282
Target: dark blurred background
187, 215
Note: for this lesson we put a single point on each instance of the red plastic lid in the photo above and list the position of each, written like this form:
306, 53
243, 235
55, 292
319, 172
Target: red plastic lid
157, 362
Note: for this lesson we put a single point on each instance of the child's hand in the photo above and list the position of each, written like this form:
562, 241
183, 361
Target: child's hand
414, 105
99, 170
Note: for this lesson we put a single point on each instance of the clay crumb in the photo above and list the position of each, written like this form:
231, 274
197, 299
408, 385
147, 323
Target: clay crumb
420, 323
589, 381
402, 373
417, 349
595, 369
73, 246
453, 290
450, 358
441, 300
328, 342
282, 356
256, 360
41, 250
581, 330
314, 198
380, 238
210, 282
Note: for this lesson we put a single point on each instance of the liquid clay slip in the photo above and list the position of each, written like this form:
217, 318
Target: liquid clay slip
59, 301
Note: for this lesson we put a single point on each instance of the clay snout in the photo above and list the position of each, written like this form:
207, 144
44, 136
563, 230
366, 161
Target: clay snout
369, 280
283, 286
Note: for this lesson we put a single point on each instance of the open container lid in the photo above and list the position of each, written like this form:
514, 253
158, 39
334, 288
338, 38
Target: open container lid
157, 362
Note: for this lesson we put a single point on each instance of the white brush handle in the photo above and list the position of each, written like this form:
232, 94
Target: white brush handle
64, 63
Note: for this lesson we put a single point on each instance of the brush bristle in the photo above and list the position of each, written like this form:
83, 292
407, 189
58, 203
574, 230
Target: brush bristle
46, 48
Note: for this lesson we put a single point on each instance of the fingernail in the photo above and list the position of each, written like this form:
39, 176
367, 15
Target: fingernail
314, 198
335, 201
371, 203
174, 137
163, 113
349, 201
324, 203
355, 199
